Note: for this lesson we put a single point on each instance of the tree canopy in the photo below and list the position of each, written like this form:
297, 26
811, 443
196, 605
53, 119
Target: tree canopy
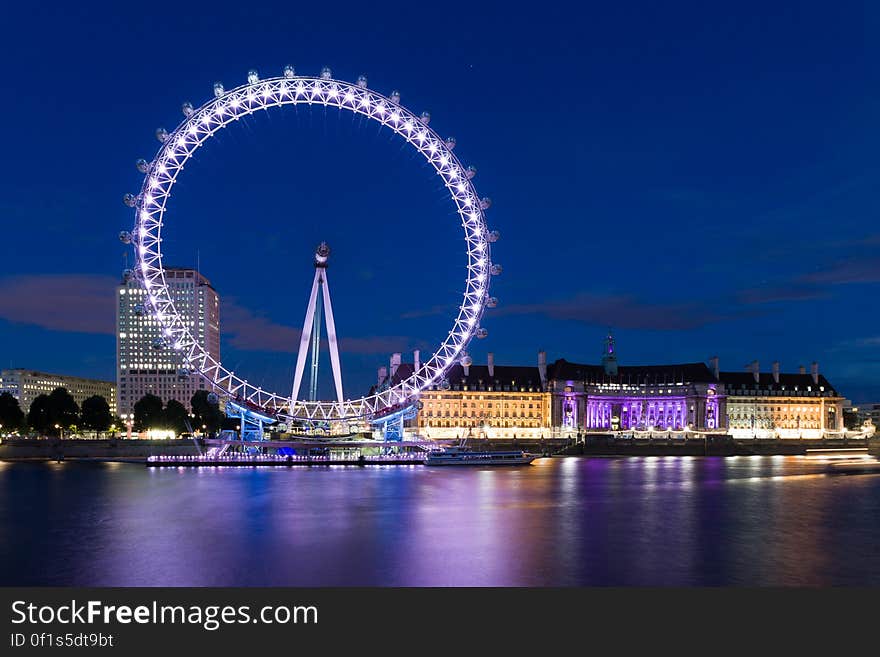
57, 408
95, 414
11, 415
207, 415
176, 416
148, 413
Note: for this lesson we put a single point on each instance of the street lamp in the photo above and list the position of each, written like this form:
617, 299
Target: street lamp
60, 431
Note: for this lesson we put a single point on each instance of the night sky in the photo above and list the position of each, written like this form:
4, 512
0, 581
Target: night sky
700, 177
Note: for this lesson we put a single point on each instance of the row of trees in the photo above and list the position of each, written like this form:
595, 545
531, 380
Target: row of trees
150, 414
57, 412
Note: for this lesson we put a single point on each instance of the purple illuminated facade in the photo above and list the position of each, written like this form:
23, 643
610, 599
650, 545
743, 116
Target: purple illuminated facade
608, 397
651, 409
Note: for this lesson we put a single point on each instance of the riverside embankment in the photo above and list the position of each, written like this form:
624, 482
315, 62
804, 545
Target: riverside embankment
605, 445
121, 449
112, 449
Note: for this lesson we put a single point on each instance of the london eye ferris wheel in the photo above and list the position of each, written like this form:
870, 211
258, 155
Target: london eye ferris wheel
290, 89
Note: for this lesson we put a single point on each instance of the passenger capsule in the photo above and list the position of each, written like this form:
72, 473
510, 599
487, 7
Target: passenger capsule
485, 203
326, 73
142, 165
495, 270
493, 235
218, 89
182, 374
289, 72
130, 200
213, 398
125, 237
426, 117
492, 302
362, 81
161, 134
158, 343
187, 109
444, 384
481, 333
466, 361
395, 97
127, 274
253, 77
471, 172
139, 310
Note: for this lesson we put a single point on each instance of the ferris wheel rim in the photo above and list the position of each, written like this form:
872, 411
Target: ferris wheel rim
201, 124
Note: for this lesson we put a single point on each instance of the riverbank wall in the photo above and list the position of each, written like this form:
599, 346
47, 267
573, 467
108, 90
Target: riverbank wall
113, 449
604, 445
121, 449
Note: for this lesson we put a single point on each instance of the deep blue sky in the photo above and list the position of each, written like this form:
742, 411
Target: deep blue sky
699, 176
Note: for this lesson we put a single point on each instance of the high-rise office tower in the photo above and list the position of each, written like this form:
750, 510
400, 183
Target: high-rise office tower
143, 364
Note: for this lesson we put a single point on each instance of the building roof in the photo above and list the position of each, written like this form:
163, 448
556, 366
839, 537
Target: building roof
23, 371
503, 375
562, 370
478, 377
173, 273
737, 380
516, 376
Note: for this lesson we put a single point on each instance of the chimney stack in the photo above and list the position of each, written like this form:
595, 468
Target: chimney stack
755, 369
776, 371
466, 369
715, 371
814, 372
491, 363
802, 369
416, 363
382, 375
395, 363
542, 367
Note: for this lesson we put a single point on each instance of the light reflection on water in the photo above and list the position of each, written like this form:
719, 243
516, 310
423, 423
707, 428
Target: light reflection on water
574, 521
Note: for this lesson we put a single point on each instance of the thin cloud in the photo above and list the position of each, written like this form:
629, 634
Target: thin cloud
246, 330
850, 271
814, 285
780, 293
855, 344
84, 303
623, 311
78, 303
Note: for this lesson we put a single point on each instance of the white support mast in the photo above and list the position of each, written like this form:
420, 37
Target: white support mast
312, 331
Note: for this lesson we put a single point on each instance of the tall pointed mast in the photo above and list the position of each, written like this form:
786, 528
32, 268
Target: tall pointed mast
319, 300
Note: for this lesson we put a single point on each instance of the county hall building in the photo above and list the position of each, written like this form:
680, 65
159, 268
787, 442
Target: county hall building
570, 399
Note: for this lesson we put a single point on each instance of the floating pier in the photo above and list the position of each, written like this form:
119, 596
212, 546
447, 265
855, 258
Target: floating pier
252, 460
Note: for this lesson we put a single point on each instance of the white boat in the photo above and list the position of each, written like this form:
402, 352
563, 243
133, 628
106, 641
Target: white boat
464, 456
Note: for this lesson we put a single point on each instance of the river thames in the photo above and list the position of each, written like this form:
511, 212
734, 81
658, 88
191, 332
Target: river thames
654, 521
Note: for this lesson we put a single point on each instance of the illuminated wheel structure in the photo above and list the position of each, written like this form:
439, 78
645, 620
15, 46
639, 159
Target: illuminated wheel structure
199, 125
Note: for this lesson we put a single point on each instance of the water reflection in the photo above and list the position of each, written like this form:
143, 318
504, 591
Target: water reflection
576, 521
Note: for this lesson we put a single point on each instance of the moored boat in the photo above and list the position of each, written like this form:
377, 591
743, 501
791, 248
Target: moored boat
464, 456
